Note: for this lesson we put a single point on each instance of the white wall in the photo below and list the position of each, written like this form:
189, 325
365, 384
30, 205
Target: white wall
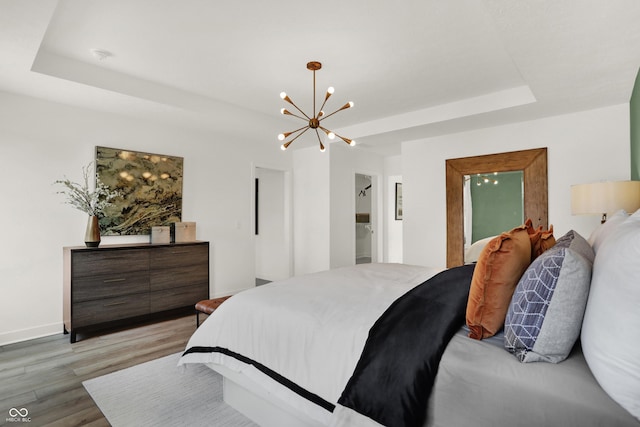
41, 142
392, 227
310, 210
582, 147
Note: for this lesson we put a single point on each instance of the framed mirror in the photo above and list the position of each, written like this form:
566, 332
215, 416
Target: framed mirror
532, 163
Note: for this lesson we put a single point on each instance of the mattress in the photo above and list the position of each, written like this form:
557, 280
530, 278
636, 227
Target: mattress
480, 383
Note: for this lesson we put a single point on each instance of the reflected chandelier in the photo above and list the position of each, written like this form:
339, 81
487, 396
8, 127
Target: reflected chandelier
485, 179
313, 121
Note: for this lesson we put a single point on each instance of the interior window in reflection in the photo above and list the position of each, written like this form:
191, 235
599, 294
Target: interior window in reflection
493, 203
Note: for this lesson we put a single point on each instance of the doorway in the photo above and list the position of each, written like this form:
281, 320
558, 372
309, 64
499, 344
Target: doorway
272, 225
364, 192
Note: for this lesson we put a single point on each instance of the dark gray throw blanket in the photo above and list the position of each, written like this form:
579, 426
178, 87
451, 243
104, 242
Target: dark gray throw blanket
396, 371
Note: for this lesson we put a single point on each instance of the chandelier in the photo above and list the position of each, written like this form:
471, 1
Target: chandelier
313, 122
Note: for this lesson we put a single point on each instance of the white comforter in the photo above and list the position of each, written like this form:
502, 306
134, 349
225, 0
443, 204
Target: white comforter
310, 329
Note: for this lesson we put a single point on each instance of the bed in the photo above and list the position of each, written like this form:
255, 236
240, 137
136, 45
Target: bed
347, 347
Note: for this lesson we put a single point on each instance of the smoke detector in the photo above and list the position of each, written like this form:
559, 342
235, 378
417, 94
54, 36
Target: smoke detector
100, 54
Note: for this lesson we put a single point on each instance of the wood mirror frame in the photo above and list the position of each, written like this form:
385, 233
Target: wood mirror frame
533, 163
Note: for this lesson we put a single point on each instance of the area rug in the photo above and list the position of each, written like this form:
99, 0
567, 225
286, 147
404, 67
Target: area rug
159, 393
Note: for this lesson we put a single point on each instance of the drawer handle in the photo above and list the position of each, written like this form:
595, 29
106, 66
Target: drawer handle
179, 252
115, 303
113, 280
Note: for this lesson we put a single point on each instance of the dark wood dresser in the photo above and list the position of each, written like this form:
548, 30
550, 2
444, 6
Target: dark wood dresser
120, 284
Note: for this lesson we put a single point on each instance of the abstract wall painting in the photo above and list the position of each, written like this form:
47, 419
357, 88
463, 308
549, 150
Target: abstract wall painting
150, 187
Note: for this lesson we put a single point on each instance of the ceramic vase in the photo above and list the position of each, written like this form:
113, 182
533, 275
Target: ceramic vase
92, 235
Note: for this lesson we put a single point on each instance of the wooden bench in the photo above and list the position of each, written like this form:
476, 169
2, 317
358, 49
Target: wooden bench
208, 306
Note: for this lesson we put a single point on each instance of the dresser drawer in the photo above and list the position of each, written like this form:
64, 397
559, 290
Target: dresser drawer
110, 285
178, 256
178, 297
108, 309
91, 263
188, 275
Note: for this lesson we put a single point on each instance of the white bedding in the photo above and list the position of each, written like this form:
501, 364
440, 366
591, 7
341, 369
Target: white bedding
333, 312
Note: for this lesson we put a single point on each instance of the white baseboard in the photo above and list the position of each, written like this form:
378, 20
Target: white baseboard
30, 333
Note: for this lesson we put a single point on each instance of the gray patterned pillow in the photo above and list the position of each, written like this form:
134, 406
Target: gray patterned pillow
545, 315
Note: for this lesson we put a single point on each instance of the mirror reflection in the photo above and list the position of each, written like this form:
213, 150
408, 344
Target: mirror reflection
493, 202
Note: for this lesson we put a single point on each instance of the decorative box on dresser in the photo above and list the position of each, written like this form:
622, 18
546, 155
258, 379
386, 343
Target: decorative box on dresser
127, 283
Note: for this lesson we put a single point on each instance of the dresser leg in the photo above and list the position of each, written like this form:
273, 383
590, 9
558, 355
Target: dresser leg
72, 338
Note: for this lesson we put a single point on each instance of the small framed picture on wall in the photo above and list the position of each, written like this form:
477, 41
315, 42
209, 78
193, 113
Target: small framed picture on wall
398, 201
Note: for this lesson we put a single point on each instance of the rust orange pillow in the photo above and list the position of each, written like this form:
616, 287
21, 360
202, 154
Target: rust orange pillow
547, 241
540, 240
499, 268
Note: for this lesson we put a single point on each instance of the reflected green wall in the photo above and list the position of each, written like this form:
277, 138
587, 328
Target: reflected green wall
634, 107
496, 208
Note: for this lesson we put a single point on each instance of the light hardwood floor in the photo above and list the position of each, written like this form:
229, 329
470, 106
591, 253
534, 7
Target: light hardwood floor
45, 375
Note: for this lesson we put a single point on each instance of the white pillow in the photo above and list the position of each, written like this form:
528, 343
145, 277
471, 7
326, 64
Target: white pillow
472, 254
603, 231
611, 327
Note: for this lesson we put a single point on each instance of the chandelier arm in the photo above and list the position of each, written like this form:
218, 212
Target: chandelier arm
327, 131
326, 98
322, 106
292, 103
306, 128
286, 134
289, 113
347, 140
345, 106
319, 140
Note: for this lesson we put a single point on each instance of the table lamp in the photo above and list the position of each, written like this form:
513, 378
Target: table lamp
605, 197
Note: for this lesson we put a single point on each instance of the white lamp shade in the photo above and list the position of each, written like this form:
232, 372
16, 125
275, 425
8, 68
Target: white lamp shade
605, 197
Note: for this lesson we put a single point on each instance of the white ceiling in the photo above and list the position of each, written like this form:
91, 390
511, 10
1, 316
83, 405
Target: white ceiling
414, 68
